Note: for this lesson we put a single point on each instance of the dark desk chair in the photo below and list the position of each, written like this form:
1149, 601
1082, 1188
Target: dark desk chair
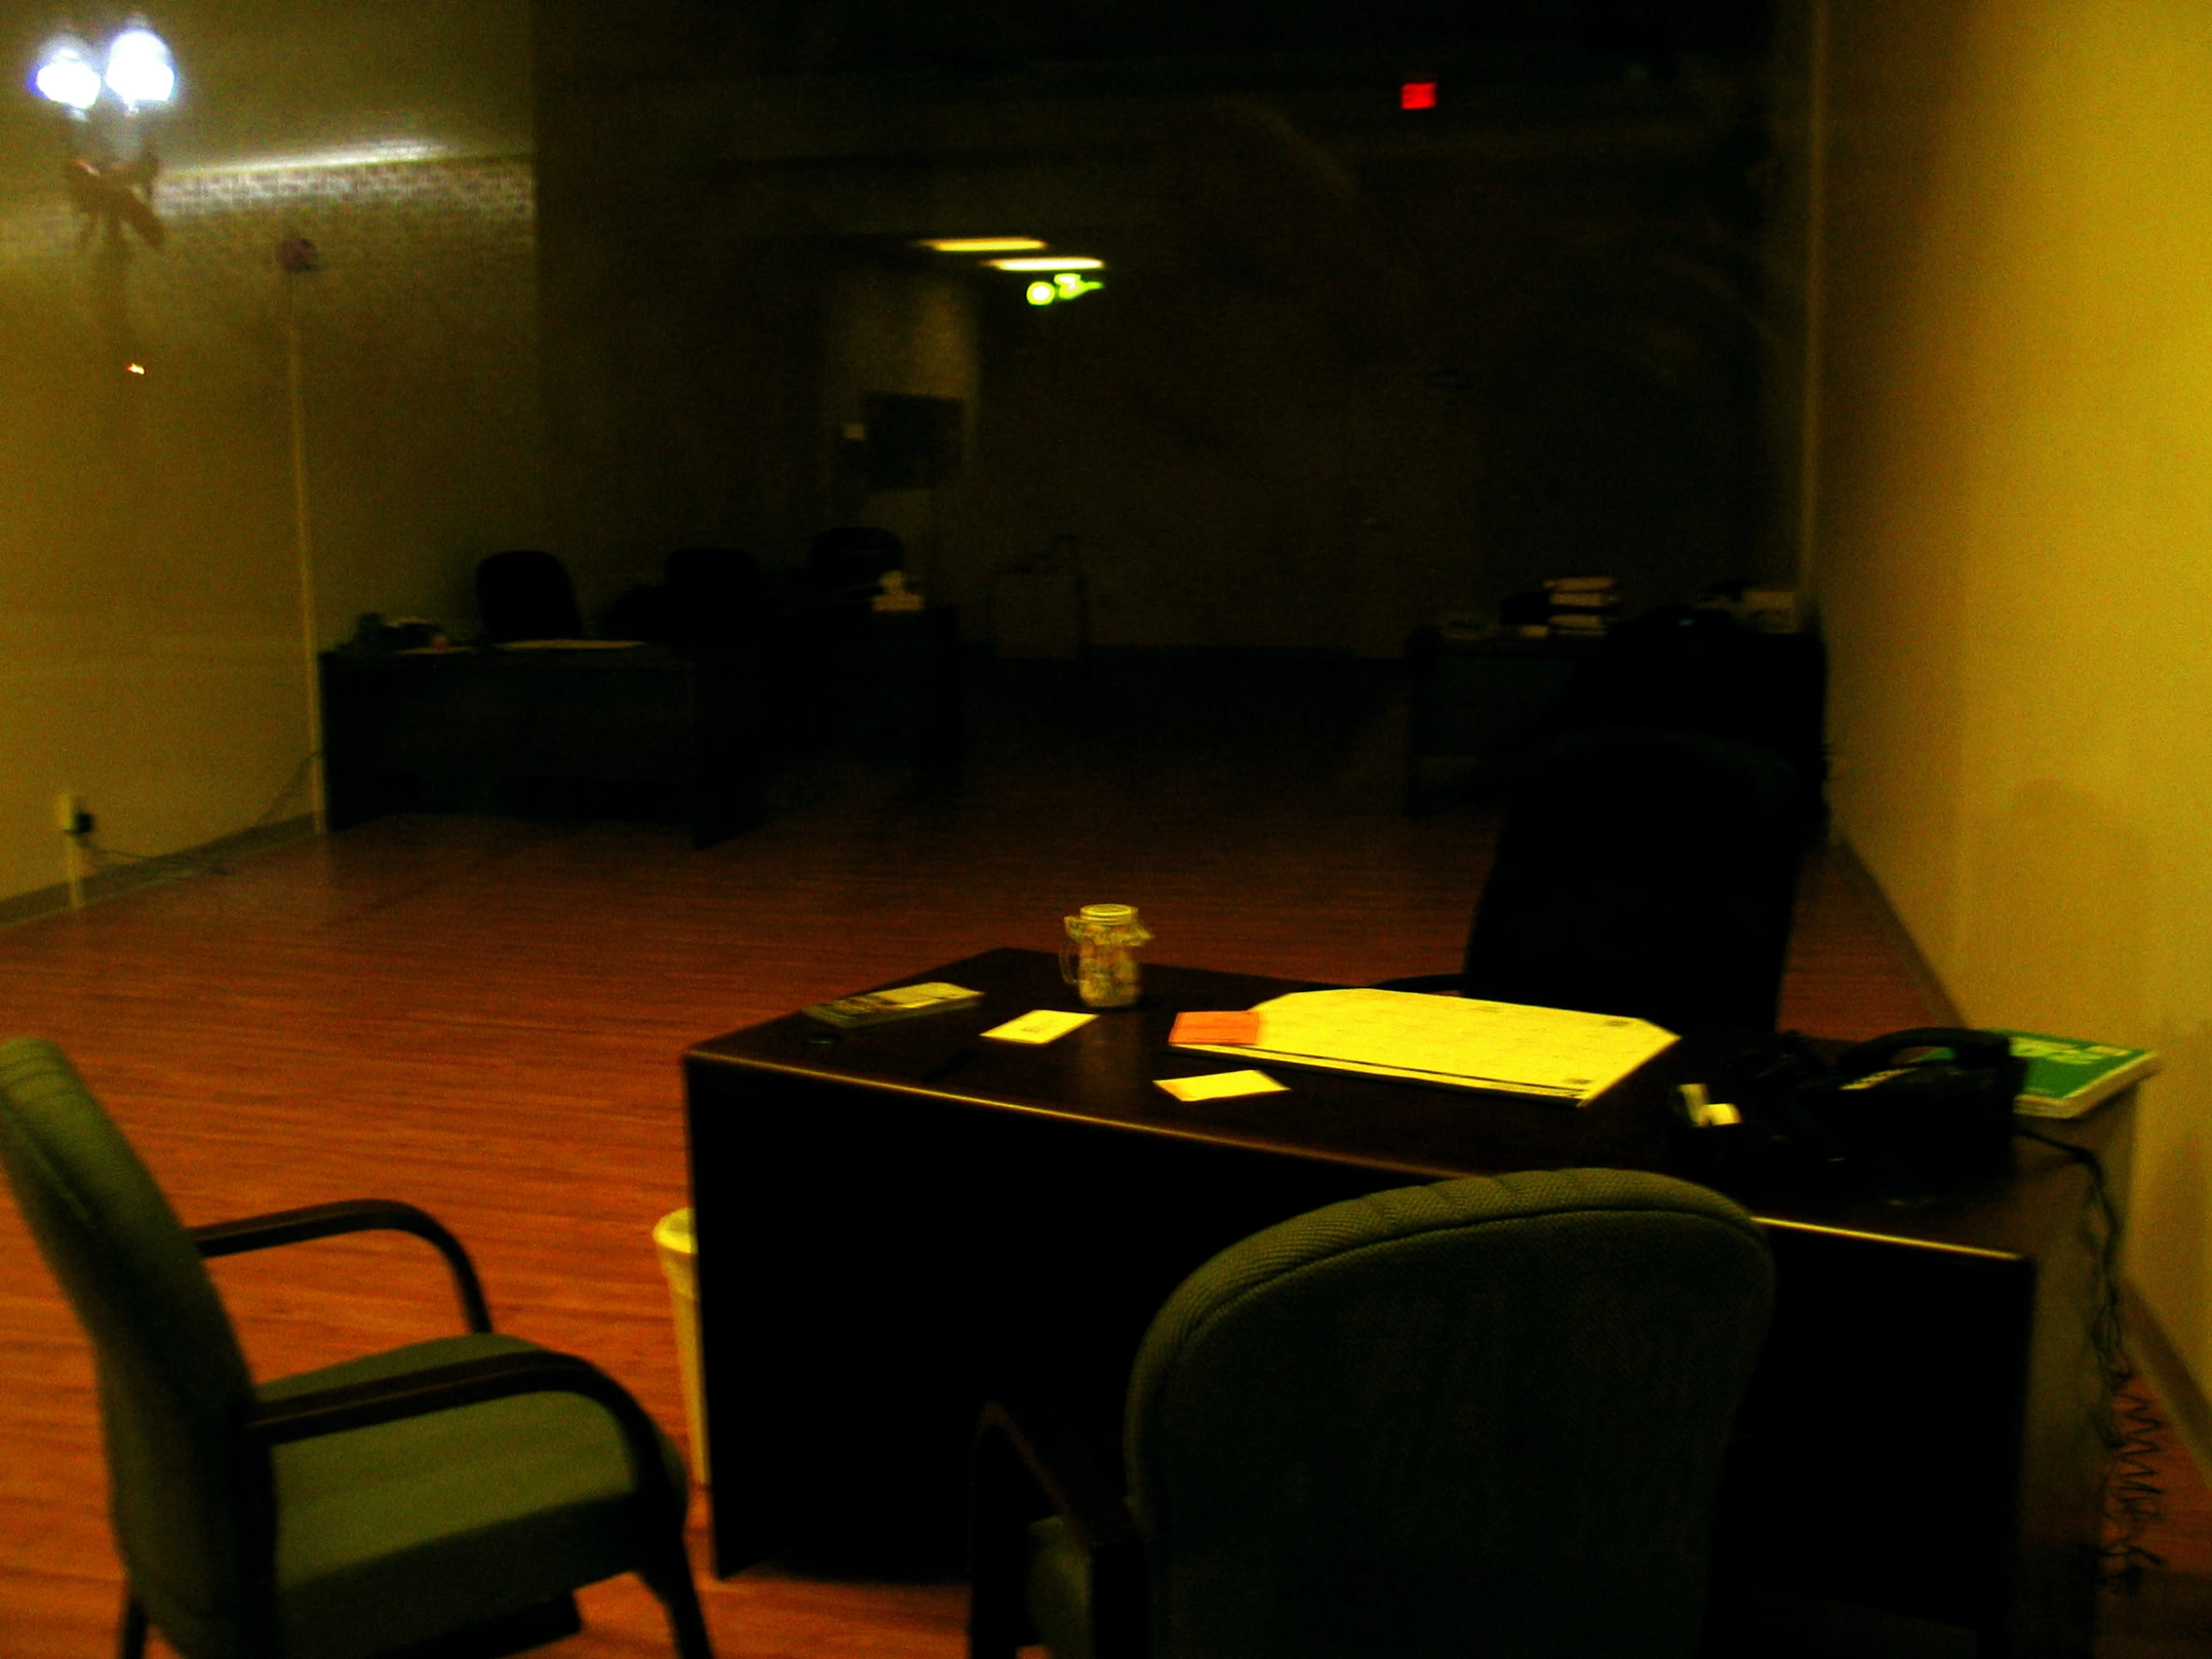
849, 561
460, 1486
525, 594
1486, 1416
1641, 871
1702, 671
714, 596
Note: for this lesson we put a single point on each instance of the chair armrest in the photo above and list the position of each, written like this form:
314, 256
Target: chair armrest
471, 1382
1436, 984
1018, 1460
323, 1221
1068, 1472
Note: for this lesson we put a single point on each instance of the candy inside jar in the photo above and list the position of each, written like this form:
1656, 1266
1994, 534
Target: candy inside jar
1100, 956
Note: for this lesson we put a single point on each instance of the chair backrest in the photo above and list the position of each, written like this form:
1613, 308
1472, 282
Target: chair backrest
191, 1495
854, 555
1481, 1417
715, 595
1703, 671
525, 594
1644, 871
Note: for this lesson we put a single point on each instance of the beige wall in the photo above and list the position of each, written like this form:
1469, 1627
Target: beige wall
2015, 534
149, 569
894, 329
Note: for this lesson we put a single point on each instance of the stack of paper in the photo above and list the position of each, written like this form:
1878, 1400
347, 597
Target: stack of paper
1454, 1042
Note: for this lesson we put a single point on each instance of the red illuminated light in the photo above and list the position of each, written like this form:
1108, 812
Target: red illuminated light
1416, 95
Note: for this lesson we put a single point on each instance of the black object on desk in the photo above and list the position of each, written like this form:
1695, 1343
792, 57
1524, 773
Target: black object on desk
526, 594
881, 1252
446, 728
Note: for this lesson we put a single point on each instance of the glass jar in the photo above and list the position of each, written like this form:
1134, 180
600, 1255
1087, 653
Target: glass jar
1100, 956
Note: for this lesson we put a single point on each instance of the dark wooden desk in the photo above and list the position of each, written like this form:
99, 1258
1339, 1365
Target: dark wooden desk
448, 729
1476, 704
893, 1221
894, 683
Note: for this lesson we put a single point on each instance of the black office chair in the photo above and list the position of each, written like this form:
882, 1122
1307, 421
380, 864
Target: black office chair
714, 596
851, 560
1641, 871
1691, 670
525, 594
1486, 1416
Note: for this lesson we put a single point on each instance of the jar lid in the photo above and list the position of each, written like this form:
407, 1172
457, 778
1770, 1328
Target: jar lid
1110, 916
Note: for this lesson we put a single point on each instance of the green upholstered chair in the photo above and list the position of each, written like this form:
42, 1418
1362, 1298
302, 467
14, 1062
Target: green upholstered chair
455, 1489
1481, 1417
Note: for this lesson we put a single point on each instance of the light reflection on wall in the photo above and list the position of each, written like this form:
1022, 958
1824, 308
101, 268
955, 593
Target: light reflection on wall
149, 579
419, 341
369, 153
405, 174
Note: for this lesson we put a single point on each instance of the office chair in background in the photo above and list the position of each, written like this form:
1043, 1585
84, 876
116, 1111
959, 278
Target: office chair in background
849, 561
1480, 1416
1641, 871
1691, 670
715, 596
526, 594
462, 1486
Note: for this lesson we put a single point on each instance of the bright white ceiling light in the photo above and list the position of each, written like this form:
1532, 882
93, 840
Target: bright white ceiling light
64, 73
140, 69
1063, 262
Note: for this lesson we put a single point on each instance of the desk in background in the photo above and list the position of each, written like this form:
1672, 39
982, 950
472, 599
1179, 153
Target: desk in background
894, 684
1476, 704
450, 729
1481, 706
891, 1222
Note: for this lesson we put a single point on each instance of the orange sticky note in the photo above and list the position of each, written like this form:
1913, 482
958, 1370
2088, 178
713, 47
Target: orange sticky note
1239, 1026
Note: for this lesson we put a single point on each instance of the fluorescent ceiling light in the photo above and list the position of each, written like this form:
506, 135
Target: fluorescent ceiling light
981, 245
140, 69
64, 73
1067, 263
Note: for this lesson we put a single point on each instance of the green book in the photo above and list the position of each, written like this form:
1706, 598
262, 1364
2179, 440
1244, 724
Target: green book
2067, 1076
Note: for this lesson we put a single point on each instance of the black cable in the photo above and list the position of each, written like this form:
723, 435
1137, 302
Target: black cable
2127, 1423
185, 866
2134, 1497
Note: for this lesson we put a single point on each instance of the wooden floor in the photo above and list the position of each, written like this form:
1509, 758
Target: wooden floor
485, 1017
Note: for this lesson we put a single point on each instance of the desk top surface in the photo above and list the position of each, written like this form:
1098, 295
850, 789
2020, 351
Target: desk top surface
591, 659
1103, 1073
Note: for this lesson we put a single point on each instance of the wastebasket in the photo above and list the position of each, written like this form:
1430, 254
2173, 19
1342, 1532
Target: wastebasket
679, 1260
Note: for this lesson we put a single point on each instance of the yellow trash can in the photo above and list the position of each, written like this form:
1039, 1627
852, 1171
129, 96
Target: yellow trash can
679, 1262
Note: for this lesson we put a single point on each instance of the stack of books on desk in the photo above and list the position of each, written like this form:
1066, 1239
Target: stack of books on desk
1582, 604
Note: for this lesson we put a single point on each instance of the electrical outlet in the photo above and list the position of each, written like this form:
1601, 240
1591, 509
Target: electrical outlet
70, 816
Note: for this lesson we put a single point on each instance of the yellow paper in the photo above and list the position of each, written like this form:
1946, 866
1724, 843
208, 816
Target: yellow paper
1458, 1042
1041, 1025
1221, 1085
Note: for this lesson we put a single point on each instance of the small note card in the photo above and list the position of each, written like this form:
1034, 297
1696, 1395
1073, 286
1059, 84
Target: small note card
1238, 1026
1041, 1025
1220, 1085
